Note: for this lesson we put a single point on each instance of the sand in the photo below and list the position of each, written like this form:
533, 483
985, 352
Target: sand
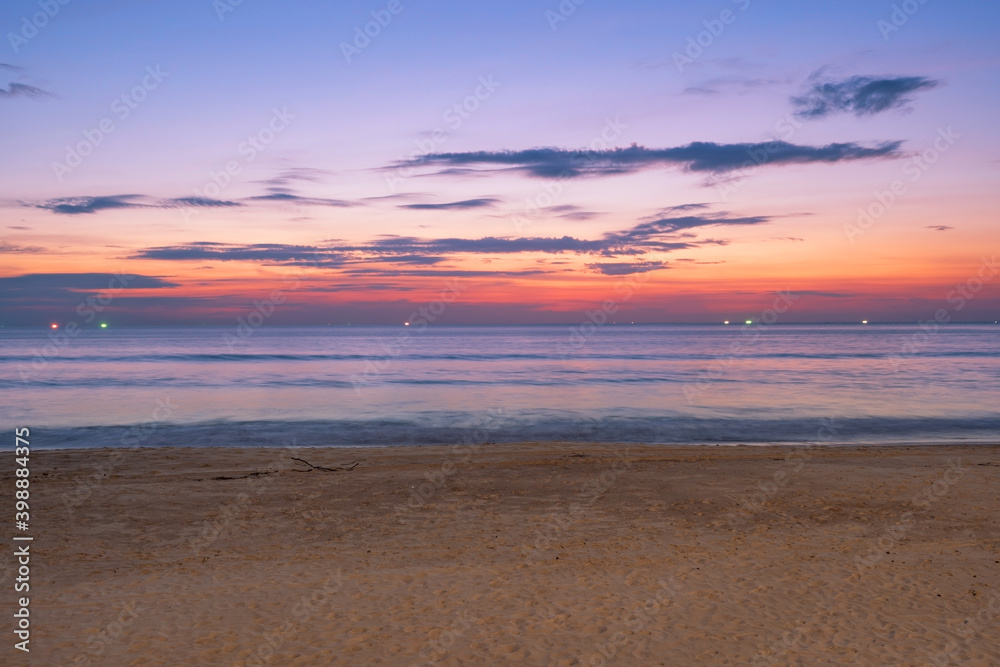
531, 554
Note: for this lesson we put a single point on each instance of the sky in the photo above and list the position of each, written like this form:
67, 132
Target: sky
193, 161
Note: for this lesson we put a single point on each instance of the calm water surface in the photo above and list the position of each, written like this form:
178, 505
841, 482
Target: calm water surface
393, 385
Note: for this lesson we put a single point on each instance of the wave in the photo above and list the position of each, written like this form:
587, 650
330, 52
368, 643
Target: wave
554, 357
447, 428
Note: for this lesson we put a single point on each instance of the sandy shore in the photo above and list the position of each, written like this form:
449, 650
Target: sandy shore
532, 554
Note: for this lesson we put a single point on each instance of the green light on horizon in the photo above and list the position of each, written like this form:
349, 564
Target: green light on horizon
104, 325
749, 321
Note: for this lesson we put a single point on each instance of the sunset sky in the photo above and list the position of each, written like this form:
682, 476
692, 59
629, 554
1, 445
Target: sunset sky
529, 156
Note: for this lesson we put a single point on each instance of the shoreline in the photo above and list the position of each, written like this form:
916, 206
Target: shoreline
553, 443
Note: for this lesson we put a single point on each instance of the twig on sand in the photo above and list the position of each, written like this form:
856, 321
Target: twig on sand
350, 466
253, 474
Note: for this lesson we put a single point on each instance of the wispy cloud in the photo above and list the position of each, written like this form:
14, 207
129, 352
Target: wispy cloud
12, 249
737, 84
860, 95
278, 195
571, 212
626, 268
23, 90
484, 202
660, 234
278, 189
939, 228
293, 174
80, 281
87, 205
698, 156
445, 273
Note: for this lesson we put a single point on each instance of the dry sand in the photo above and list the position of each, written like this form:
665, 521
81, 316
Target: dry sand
532, 554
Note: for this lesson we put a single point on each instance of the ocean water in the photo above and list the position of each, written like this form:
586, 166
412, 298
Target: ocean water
405, 385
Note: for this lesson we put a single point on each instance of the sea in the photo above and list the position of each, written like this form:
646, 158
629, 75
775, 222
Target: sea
592, 382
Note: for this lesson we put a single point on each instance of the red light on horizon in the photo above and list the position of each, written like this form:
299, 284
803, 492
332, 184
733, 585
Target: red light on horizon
55, 326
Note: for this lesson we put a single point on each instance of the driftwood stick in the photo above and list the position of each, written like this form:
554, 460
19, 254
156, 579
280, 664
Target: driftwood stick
253, 474
351, 466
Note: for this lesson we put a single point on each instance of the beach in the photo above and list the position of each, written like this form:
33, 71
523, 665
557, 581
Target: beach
534, 554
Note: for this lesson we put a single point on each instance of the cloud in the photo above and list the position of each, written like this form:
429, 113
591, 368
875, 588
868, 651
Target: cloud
180, 202
446, 273
282, 195
293, 174
465, 204
626, 268
860, 95
699, 156
278, 253
23, 90
11, 249
739, 85
82, 281
939, 228
88, 205
647, 234
82, 205
570, 212
669, 231
278, 190
825, 295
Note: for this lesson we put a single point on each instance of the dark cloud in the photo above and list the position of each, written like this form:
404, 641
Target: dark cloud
446, 273
698, 156
659, 234
626, 268
487, 245
82, 281
939, 228
81, 205
86, 205
825, 295
277, 253
197, 202
860, 95
23, 90
646, 234
410, 259
465, 204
